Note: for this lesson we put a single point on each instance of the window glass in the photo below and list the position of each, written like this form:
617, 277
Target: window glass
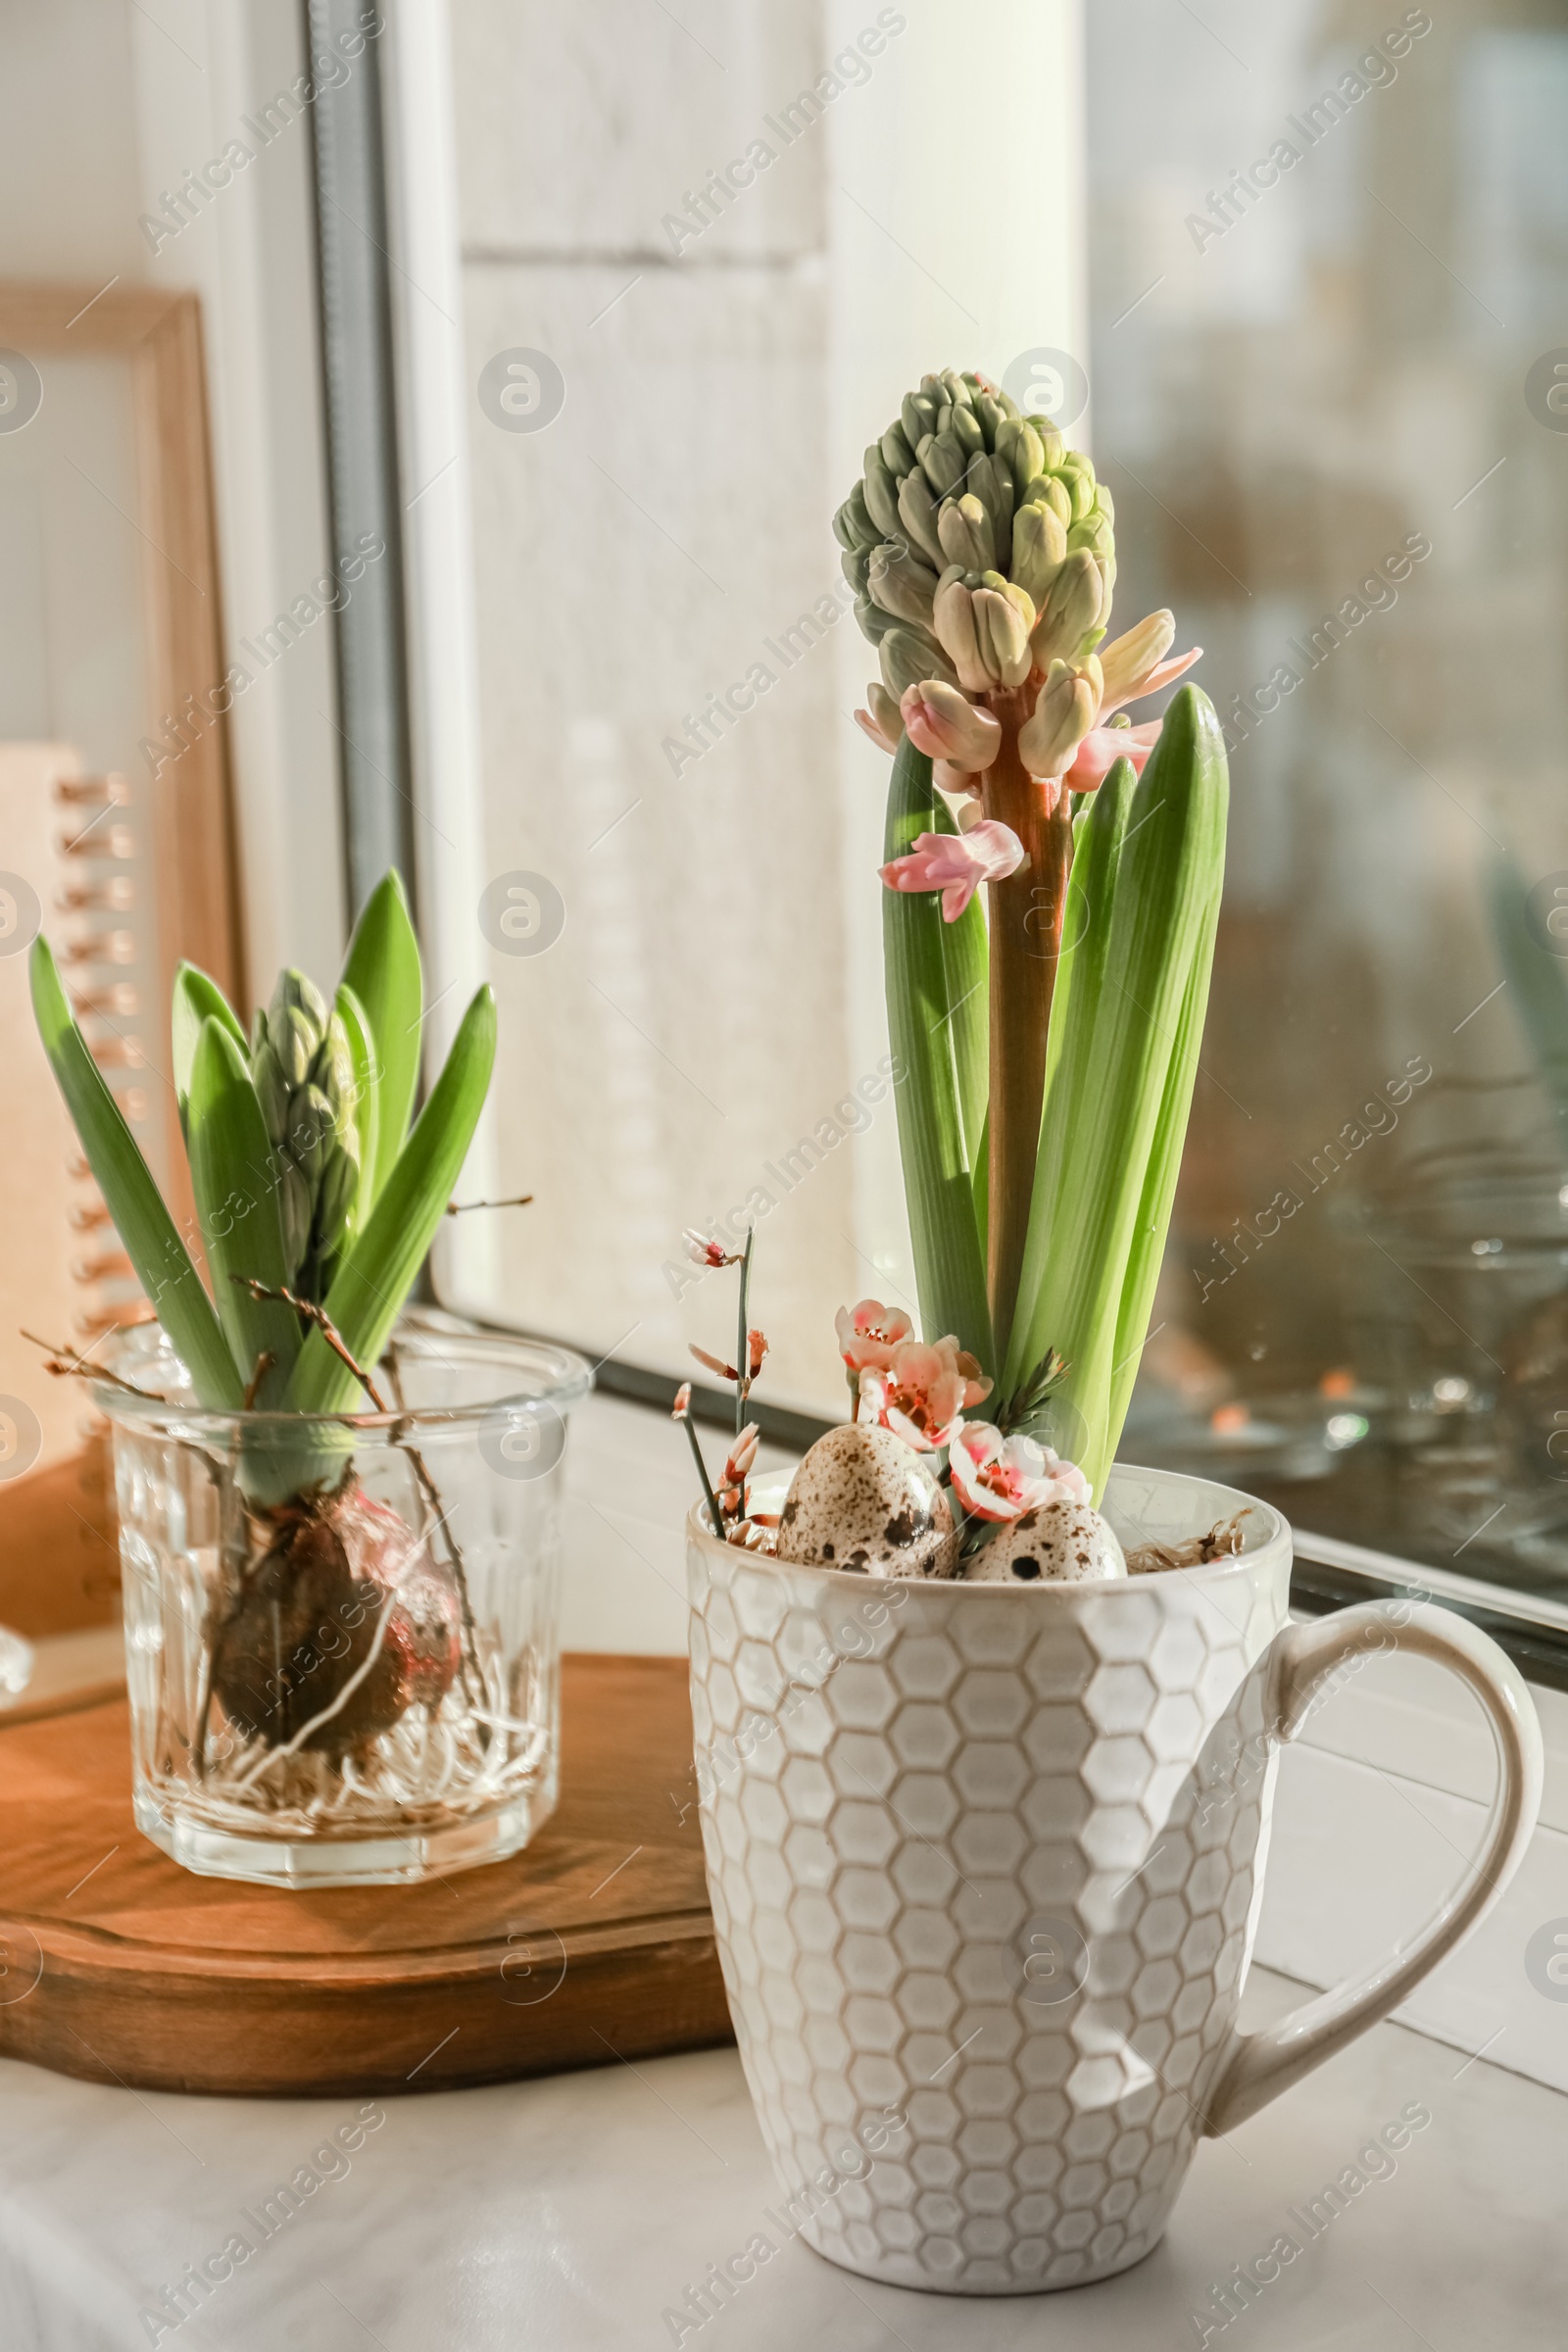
1299, 272
1327, 249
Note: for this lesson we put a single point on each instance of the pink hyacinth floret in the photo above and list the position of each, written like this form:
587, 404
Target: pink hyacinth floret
1102, 746
956, 863
1001, 1478
923, 1393
1151, 681
869, 1333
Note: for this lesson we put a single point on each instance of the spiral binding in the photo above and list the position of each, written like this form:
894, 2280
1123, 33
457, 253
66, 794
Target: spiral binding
100, 847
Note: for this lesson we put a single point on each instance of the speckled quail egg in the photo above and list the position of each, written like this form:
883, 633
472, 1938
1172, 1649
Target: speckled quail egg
1055, 1544
864, 1501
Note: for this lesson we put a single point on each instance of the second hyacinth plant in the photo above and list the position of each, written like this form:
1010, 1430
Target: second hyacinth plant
1051, 882
335, 1654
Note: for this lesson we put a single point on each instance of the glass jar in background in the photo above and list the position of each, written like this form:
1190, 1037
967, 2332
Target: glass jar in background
1457, 1294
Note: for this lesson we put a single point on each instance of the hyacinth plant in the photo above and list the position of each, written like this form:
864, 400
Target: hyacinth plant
1051, 1050
317, 1204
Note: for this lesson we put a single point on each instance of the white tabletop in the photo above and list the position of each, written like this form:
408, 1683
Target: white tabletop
571, 2213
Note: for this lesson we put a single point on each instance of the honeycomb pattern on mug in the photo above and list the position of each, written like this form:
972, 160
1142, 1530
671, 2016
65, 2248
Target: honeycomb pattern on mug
975, 1879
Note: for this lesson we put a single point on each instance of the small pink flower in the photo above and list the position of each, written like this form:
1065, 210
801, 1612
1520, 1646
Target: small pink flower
732, 1478
755, 1352
1102, 746
1001, 1478
713, 1363
956, 863
870, 1332
741, 1455
868, 726
923, 1393
682, 1406
704, 1250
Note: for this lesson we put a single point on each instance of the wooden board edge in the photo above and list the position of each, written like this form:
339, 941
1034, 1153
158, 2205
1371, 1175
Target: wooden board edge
84, 1956
169, 2036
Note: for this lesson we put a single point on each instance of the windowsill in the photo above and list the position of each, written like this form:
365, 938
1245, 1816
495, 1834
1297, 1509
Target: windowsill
573, 2210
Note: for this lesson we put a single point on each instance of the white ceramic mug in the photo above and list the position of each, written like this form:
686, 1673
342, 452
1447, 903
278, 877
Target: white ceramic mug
986, 1864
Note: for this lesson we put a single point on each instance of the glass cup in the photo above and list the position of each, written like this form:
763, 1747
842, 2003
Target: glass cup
341, 1631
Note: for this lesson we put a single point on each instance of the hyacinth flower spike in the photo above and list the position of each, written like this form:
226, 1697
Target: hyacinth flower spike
1049, 1049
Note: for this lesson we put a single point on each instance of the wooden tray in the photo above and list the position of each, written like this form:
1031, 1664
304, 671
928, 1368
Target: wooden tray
595, 1943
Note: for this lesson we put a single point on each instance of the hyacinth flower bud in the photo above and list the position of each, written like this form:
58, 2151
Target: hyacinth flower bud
296, 1209
310, 1135
1079, 483
1038, 550
966, 428
968, 540
990, 481
907, 656
1017, 444
918, 512
1071, 610
944, 461
271, 1087
953, 616
901, 584
1047, 490
855, 562
918, 417
340, 1187
1001, 633
1064, 716
858, 515
992, 414
898, 454
882, 495
881, 723
852, 526
874, 622
946, 725
1053, 448
1094, 533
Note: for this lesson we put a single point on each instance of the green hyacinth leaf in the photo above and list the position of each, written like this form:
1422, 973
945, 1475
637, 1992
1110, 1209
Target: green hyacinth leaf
383, 968
197, 998
1153, 1222
935, 977
234, 1175
1120, 1076
161, 1263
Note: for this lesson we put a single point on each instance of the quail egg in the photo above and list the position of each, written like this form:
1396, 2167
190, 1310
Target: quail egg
1055, 1544
865, 1501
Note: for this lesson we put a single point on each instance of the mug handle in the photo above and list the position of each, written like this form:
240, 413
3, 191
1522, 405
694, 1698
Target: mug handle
1256, 2067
